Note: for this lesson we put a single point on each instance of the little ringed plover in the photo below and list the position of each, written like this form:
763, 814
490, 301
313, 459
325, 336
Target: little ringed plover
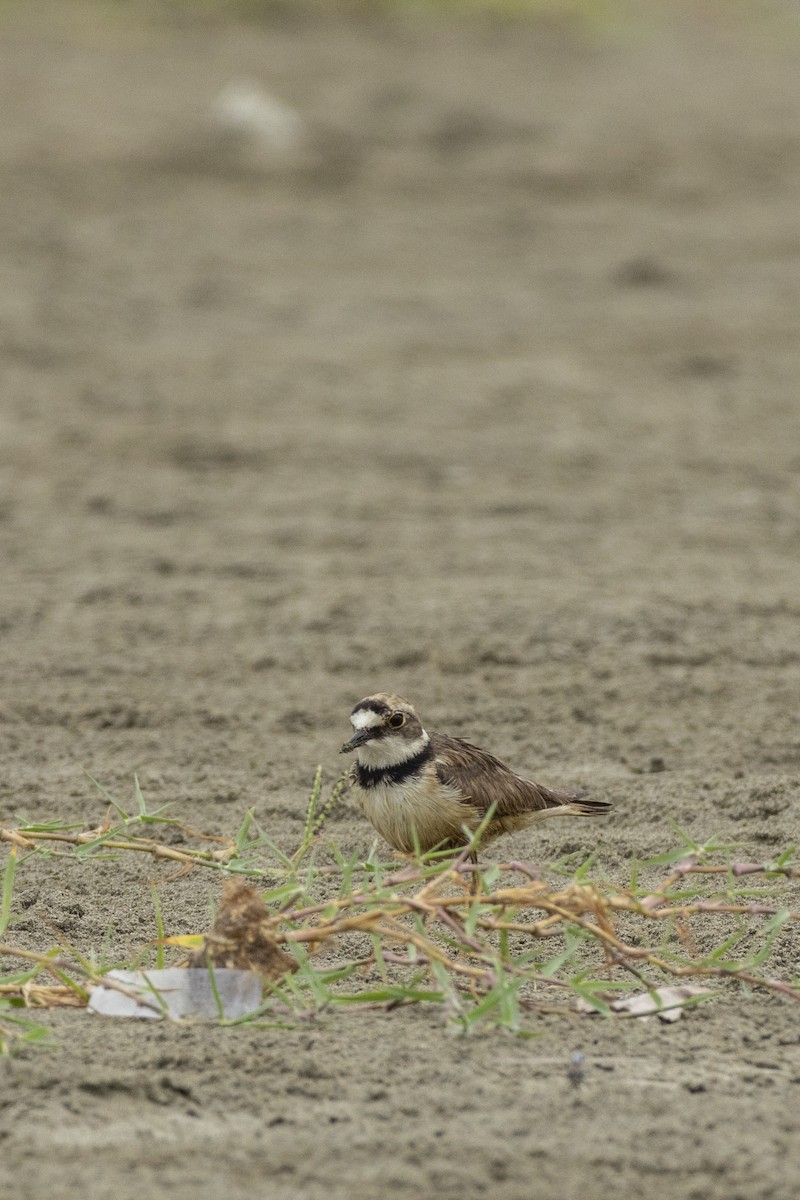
424, 787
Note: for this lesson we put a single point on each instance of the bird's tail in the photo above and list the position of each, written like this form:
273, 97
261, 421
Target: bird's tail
578, 804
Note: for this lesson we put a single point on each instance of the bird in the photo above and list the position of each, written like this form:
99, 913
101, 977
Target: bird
424, 790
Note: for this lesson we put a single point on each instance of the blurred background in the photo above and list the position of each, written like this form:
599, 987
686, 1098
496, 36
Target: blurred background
444, 348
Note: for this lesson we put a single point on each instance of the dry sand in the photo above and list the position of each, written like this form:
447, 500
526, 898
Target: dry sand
487, 395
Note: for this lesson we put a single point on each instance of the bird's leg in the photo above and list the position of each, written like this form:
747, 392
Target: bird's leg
474, 875
475, 888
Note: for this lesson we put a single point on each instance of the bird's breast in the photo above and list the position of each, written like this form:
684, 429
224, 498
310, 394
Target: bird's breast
420, 806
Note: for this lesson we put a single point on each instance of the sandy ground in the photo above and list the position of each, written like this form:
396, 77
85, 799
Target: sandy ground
486, 394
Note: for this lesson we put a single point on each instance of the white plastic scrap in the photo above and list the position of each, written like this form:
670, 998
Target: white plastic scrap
174, 992
667, 1003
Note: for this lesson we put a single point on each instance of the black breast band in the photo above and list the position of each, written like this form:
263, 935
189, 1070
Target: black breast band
369, 777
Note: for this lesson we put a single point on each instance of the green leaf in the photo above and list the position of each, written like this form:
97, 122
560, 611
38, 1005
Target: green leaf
588, 994
9, 873
117, 807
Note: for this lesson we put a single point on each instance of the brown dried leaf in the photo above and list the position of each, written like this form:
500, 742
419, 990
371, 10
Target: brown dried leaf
240, 938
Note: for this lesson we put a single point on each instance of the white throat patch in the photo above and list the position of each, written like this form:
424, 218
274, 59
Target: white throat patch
390, 751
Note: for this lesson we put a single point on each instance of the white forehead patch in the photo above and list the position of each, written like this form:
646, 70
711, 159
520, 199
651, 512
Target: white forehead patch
365, 718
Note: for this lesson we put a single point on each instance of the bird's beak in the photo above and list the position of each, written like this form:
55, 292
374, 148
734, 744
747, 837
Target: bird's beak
358, 739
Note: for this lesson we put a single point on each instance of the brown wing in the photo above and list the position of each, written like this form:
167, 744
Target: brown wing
485, 780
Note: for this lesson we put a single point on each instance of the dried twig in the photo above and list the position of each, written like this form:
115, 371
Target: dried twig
477, 950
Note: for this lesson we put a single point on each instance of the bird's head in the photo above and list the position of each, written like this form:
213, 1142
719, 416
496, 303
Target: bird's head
386, 730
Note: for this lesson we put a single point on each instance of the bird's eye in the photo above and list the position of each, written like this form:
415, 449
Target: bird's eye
397, 720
